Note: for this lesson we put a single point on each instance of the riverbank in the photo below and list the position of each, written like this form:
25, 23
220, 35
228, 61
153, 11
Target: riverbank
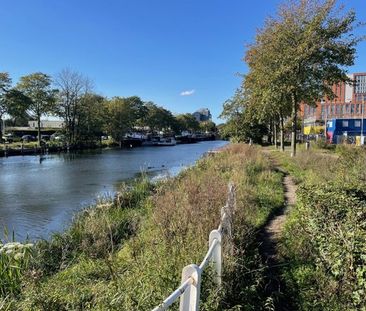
71, 181
15, 149
127, 253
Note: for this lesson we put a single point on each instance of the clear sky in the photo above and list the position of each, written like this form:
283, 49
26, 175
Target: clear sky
159, 50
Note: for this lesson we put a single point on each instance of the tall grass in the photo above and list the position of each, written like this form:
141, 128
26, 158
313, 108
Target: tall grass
14, 260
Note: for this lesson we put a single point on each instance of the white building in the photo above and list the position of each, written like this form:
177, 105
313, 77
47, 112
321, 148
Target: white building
46, 124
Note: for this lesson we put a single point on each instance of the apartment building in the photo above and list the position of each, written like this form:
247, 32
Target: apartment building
349, 104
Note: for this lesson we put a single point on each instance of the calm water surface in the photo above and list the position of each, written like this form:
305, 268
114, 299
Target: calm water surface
39, 195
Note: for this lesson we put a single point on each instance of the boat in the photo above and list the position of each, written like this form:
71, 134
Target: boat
163, 141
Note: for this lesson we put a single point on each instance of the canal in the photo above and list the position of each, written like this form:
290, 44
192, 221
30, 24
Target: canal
40, 194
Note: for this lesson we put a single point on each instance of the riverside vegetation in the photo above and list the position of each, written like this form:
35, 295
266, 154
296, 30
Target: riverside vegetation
324, 240
127, 253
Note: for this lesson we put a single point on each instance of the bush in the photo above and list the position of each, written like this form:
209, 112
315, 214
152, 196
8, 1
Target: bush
325, 239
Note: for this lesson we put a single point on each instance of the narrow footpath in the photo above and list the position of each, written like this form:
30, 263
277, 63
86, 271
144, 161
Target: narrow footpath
269, 238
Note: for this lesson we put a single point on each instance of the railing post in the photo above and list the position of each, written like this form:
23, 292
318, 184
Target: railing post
216, 258
190, 299
231, 200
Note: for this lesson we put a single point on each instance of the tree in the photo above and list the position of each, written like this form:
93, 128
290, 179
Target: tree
41, 97
187, 122
73, 87
91, 119
158, 119
208, 126
5, 84
122, 116
17, 105
299, 55
233, 113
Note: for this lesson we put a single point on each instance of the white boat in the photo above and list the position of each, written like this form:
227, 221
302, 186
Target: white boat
164, 141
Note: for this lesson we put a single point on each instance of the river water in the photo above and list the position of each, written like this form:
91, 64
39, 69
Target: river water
40, 195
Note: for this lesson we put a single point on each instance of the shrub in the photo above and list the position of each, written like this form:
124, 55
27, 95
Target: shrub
325, 239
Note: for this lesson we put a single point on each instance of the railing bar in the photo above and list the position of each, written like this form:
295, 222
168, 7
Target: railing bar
173, 296
208, 255
220, 228
214, 239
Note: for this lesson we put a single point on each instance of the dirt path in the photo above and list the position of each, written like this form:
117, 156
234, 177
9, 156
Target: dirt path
272, 231
269, 238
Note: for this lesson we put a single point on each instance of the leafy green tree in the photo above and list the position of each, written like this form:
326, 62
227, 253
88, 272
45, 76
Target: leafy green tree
159, 119
187, 122
299, 55
122, 115
91, 119
41, 97
5, 84
17, 105
208, 126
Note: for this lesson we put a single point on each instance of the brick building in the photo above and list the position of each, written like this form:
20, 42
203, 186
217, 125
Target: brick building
348, 104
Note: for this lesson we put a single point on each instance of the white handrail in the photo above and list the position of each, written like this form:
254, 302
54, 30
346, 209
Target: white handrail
189, 290
207, 258
174, 296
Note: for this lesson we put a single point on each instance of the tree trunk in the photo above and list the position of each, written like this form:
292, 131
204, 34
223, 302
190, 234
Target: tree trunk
275, 134
282, 135
39, 130
294, 126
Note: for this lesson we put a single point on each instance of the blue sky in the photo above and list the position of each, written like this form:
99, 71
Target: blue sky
156, 49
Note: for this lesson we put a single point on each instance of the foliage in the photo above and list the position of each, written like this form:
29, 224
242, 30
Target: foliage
241, 125
326, 238
208, 127
14, 261
122, 114
187, 122
41, 97
248, 130
296, 58
158, 119
91, 119
5, 83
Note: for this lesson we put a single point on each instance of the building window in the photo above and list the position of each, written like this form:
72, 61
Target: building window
345, 123
357, 123
338, 109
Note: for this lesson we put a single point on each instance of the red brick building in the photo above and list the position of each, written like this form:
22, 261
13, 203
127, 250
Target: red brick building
348, 104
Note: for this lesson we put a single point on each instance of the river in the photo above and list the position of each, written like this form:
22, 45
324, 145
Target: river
40, 194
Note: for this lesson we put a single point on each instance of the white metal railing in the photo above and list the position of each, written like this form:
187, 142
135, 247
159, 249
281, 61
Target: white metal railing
189, 289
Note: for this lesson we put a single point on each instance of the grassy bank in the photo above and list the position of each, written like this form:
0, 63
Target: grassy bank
127, 253
325, 236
